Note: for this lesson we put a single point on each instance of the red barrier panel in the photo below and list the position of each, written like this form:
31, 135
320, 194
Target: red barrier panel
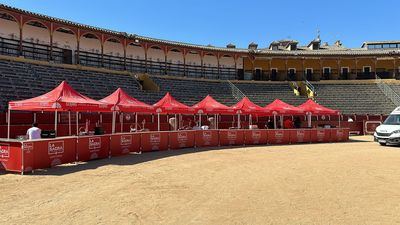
320, 135
231, 137
300, 136
278, 136
122, 144
339, 134
93, 147
255, 137
11, 156
206, 138
181, 139
50, 152
154, 141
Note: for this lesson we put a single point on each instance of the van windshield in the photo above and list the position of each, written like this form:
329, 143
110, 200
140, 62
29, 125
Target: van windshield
392, 120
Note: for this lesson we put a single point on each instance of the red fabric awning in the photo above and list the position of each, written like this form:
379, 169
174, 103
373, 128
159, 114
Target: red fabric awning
121, 101
169, 104
211, 106
62, 98
316, 109
245, 106
282, 108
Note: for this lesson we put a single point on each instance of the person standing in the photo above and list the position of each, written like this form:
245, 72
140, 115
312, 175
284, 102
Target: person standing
34, 132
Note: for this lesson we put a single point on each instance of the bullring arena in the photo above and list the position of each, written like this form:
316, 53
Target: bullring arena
138, 130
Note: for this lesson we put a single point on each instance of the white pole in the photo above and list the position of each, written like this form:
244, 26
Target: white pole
34, 117
339, 120
69, 122
176, 123
8, 123
309, 119
200, 120
158, 121
282, 122
274, 121
250, 120
113, 122
121, 118
238, 120
136, 125
55, 122
77, 123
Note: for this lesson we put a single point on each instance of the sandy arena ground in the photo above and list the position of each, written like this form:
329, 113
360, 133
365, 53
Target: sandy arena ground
346, 183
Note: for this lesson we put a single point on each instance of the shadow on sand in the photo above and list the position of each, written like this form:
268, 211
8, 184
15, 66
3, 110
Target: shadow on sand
133, 158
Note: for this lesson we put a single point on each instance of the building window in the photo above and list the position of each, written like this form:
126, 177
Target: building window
386, 46
326, 71
367, 69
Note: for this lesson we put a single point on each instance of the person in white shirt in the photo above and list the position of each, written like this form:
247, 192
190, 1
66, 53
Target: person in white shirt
34, 132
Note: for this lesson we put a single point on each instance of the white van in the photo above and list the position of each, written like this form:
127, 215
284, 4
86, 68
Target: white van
389, 131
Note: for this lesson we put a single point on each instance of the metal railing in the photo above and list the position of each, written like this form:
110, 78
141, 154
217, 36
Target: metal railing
236, 92
310, 88
388, 91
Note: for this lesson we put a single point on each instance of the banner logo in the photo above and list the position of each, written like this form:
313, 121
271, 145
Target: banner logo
94, 143
126, 140
4, 151
56, 147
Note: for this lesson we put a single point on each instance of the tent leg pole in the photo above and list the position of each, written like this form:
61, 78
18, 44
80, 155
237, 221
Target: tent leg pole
199, 120
176, 123
121, 117
8, 123
69, 123
250, 120
274, 121
339, 121
158, 121
77, 123
238, 121
136, 126
55, 122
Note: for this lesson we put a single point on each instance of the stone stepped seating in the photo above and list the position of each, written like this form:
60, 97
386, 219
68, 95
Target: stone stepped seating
192, 91
354, 98
19, 80
264, 93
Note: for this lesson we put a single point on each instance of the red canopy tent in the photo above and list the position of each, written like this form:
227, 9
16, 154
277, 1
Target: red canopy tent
122, 102
316, 109
247, 107
278, 107
312, 108
169, 105
62, 98
211, 106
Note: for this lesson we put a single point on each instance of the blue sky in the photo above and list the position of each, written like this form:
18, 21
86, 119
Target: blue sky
219, 22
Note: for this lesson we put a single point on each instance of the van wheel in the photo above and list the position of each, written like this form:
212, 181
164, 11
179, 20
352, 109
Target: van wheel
383, 144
